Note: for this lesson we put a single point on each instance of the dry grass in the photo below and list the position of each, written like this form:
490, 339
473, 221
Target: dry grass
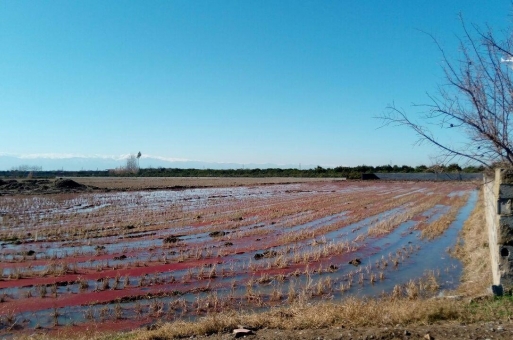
439, 226
140, 183
404, 307
352, 312
407, 305
474, 252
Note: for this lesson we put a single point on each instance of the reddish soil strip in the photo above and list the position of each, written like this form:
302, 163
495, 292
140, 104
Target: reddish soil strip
241, 233
137, 272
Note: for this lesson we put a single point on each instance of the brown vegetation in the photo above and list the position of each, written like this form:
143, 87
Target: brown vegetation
144, 183
405, 306
212, 252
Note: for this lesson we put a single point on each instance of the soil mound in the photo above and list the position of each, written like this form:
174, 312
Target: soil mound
41, 186
355, 262
68, 184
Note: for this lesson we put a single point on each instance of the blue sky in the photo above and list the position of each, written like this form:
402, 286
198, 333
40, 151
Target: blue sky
283, 82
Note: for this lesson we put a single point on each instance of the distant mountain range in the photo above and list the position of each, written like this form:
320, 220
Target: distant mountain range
75, 163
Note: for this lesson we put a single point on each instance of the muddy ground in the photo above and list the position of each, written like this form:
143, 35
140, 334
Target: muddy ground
114, 184
42, 186
159, 183
447, 330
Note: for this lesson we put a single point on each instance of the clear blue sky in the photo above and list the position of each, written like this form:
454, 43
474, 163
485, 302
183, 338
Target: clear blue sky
282, 82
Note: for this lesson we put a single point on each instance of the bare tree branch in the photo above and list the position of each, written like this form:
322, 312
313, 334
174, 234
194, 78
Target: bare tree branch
476, 100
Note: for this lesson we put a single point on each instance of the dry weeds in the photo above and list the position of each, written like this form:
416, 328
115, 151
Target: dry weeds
406, 306
351, 312
439, 226
472, 249
141, 183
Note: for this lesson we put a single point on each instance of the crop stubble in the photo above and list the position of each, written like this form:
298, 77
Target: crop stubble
126, 258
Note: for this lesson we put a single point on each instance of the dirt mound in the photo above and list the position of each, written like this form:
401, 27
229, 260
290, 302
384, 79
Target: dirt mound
68, 184
41, 186
172, 239
355, 262
217, 233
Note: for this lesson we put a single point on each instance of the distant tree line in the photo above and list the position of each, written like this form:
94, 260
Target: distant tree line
339, 171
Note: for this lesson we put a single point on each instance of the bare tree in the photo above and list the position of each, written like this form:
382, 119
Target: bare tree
476, 99
131, 164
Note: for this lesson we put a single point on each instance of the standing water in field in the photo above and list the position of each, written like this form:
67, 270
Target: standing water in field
126, 259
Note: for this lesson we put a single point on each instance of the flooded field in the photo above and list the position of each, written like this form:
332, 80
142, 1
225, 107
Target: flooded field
119, 260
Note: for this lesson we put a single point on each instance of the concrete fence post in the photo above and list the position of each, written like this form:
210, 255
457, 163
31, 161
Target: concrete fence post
498, 198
